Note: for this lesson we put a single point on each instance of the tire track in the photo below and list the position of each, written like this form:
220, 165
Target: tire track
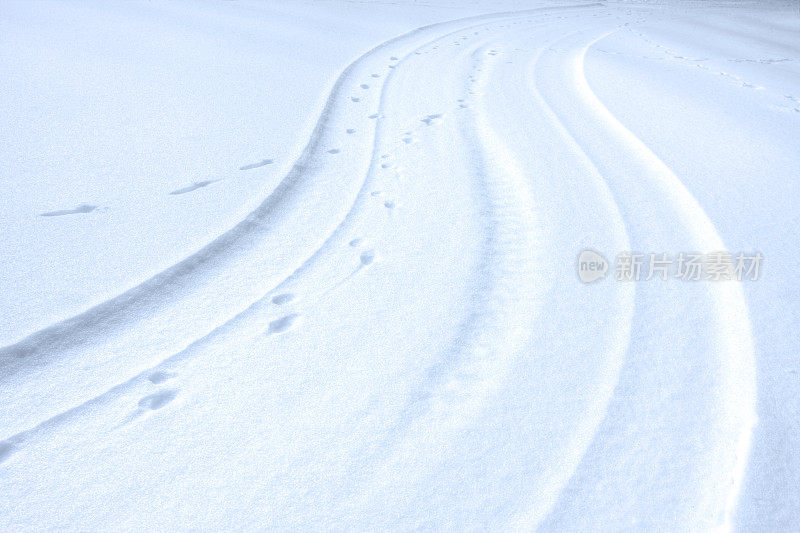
77, 334
723, 356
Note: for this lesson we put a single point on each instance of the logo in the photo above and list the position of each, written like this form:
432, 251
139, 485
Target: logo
591, 266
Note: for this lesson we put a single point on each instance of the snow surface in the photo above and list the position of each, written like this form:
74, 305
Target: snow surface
311, 265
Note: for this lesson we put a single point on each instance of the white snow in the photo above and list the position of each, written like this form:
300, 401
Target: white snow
311, 265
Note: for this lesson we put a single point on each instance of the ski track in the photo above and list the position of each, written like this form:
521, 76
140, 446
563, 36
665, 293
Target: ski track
527, 192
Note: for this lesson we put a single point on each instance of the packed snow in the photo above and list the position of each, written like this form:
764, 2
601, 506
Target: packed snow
311, 265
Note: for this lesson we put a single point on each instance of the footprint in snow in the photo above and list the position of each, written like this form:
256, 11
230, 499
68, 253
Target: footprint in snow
6, 449
389, 204
160, 376
284, 298
261, 163
334, 151
367, 257
351, 131
282, 324
80, 209
376, 75
364, 86
432, 119
193, 187
355, 99
158, 400
356, 242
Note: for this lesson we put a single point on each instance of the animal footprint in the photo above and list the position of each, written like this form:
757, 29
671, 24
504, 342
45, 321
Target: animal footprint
256, 165
355, 99
160, 376
351, 131
82, 208
193, 187
389, 204
356, 242
432, 119
282, 324
6, 449
334, 151
364, 86
283, 298
367, 257
158, 400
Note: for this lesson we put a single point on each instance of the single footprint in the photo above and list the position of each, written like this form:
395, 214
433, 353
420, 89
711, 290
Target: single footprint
367, 257
374, 116
364, 86
158, 400
351, 131
82, 208
282, 324
355, 242
389, 204
160, 376
393, 58
334, 151
6, 449
193, 187
355, 99
376, 75
283, 298
256, 165
375, 193
432, 119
